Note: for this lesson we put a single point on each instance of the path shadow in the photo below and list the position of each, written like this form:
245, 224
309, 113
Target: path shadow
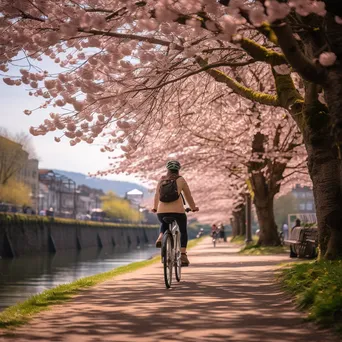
226, 300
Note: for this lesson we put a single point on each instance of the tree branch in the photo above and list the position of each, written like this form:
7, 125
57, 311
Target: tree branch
238, 88
130, 36
205, 68
301, 63
288, 95
262, 54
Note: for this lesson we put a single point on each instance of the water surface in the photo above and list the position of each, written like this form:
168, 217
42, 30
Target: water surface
24, 276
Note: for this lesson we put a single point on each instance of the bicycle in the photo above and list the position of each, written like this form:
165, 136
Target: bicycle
214, 236
171, 251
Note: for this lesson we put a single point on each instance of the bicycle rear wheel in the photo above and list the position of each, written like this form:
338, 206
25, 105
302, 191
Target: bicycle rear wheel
168, 260
178, 260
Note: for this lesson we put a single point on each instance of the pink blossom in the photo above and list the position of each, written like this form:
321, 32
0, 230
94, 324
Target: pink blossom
338, 20
101, 118
70, 135
57, 139
60, 103
59, 124
68, 30
84, 125
78, 105
49, 84
123, 124
27, 112
71, 126
8, 81
327, 58
34, 84
276, 10
257, 16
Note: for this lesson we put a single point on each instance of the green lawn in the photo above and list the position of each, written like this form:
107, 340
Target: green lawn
317, 287
241, 239
20, 313
254, 249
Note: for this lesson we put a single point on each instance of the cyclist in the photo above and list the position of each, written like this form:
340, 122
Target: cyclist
214, 231
174, 208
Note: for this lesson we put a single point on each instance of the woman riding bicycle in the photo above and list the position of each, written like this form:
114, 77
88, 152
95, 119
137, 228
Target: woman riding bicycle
174, 208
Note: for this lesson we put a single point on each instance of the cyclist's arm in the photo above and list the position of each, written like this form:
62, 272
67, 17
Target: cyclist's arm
156, 197
188, 196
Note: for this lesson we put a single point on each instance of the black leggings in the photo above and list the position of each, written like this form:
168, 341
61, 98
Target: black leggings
181, 221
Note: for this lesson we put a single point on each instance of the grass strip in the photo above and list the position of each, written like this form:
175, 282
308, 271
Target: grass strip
21, 313
254, 249
239, 239
8, 219
317, 287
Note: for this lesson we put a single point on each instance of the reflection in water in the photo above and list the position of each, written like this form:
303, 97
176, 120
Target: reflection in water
23, 277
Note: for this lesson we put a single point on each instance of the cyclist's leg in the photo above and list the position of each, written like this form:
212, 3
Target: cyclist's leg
182, 223
163, 228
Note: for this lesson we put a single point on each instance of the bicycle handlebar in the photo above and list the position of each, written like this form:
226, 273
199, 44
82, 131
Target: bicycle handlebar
187, 210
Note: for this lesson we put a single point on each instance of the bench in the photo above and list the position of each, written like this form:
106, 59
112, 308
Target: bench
303, 242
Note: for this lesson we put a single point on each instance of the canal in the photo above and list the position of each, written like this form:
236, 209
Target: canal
22, 277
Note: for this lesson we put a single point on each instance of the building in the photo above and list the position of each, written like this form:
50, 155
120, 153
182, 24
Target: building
135, 197
305, 199
57, 192
15, 162
31, 179
88, 199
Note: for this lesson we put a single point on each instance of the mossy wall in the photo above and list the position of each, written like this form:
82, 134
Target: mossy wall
22, 235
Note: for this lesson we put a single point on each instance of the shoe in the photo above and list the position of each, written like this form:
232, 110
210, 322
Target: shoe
185, 260
158, 243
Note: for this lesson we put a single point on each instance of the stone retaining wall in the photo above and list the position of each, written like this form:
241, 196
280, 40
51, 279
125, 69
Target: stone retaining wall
20, 235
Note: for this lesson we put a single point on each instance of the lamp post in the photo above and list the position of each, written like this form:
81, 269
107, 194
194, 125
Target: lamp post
39, 202
248, 218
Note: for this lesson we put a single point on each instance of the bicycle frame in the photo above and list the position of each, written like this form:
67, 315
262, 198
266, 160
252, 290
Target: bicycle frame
173, 230
171, 253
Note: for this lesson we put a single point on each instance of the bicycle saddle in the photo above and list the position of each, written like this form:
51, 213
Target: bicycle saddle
169, 219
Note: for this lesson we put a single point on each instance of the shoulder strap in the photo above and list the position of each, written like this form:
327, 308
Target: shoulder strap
183, 198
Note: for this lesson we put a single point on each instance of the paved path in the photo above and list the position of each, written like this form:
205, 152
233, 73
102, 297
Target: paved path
223, 297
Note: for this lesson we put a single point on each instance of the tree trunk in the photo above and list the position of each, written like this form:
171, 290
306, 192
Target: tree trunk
268, 229
263, 200
233, 225
264, 191
239, 220
242, 220
322, 140
325, 172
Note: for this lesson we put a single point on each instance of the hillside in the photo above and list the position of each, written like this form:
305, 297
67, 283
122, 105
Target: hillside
119, 187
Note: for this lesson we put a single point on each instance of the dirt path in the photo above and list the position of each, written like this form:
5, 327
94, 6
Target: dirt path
223, 297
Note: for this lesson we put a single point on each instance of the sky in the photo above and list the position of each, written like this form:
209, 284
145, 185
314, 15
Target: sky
82, 158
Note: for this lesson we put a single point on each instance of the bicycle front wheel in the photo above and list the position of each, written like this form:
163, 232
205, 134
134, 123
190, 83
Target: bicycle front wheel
168, 260
178, 259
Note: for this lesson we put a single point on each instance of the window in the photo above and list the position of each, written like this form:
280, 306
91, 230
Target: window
309, 206
309, 195
34, 174
302, 206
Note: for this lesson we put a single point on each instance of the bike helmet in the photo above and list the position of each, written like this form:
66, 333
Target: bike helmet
173, 165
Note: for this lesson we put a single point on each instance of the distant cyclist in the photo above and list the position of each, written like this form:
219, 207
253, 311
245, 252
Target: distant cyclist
169, 202
214, 231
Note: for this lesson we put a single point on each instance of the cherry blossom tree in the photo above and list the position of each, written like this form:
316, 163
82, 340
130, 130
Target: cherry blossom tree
123, 62
215, 142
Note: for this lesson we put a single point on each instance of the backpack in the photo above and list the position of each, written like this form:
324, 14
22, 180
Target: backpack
168, 191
